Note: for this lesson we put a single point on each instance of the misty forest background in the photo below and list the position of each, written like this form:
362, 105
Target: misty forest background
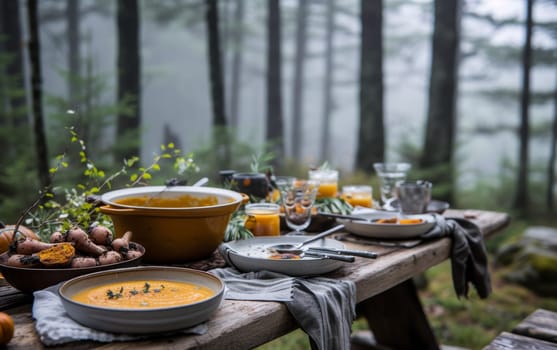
465, 90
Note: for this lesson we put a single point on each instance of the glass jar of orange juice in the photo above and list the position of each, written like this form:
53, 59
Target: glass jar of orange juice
263, 219
358, 195
328, 182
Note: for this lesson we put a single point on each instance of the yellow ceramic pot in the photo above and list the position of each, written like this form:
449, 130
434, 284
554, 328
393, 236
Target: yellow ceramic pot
175, 224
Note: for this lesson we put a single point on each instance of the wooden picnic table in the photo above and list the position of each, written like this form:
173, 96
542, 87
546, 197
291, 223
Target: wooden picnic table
386, 295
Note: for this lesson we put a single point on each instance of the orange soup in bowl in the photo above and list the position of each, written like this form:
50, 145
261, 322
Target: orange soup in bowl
143, 294
183, 201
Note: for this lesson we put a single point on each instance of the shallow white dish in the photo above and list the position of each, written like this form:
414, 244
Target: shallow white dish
387, 231
253, 255
142, 321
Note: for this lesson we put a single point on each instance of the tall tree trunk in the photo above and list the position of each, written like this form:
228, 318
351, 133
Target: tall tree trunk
371, 138
37, 96
12, 44
437, 156
129, 78
237, 58
521, 197
328, 83
74, 57
220, 133
274, 83
299, 71
550, 199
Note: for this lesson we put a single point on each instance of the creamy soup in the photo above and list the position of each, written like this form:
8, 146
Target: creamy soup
183, 201
144, 294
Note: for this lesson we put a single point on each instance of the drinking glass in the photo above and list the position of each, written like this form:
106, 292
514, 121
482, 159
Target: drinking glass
358, 195
298, 198
389, 174
414, 196
263, 219
328, 182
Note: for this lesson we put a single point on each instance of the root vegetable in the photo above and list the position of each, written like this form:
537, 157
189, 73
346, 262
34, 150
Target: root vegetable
20, 260
59, 255
82, 242
28, 246
122, 244
110, 257
100, 234
132, 254
83, 261
57, 237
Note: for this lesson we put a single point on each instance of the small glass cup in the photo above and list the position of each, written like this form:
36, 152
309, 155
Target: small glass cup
280, 182
358, 195
263, 219
254, 185
390, 174
328, 182
414, 196
297, 201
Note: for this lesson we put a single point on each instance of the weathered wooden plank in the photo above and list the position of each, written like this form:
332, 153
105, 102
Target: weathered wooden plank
511, 341
541, 324
11, 297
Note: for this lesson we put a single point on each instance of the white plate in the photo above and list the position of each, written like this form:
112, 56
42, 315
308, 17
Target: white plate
142, 321
387, 231
253, 255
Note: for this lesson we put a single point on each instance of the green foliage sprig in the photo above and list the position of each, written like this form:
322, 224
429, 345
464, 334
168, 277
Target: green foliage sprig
334, 205
76, 206
261, 161
236, 227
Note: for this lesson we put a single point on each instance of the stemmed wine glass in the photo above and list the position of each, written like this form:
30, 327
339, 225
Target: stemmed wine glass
298, 198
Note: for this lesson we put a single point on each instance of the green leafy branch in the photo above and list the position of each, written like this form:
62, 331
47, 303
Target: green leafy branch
77, 208
261, 161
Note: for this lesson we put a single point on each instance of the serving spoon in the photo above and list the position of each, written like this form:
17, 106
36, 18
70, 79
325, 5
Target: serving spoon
293, 248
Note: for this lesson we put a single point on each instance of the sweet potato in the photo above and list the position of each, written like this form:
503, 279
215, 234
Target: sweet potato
82, 242
57, 237
122, 244
100, 235
57, 255
132, 254
20, 260
83, 261
110, 257
28, 246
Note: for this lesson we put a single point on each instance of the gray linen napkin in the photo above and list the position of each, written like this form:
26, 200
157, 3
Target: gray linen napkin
468, 254
262, 285
55, 327
323, 307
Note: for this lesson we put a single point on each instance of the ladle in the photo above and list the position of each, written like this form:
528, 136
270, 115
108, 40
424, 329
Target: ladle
201, 182
296, 248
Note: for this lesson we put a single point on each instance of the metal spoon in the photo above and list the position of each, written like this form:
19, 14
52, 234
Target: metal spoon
291, 248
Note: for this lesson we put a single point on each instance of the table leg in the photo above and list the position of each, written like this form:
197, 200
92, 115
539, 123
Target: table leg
397, 319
